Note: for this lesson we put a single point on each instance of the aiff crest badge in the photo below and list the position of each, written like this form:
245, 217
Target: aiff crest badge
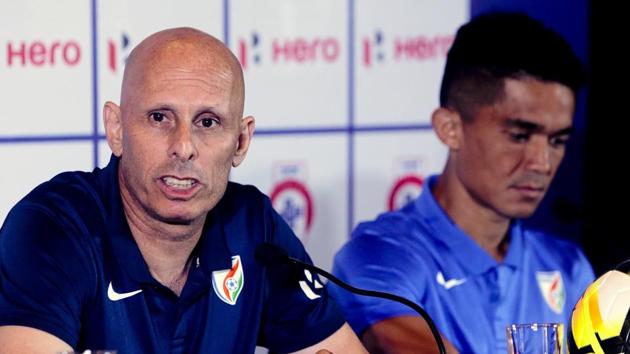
552, 289
228, 283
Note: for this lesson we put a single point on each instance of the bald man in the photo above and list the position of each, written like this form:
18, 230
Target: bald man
155, 252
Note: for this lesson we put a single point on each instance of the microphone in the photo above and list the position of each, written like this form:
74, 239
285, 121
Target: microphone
269, 255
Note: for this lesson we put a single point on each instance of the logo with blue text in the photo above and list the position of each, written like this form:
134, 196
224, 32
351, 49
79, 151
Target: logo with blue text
228, 283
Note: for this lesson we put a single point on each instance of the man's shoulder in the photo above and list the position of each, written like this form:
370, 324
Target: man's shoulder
548, 247
549, 242
240, 198
66, 185
400, 224
247, 191
396, 237
243, 208
69, 198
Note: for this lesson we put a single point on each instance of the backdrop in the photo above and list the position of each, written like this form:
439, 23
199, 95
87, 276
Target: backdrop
342, 92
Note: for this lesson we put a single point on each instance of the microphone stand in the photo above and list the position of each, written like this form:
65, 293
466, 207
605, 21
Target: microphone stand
383, 295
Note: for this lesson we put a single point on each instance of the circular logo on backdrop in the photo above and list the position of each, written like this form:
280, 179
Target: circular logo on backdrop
406, 189
292, 200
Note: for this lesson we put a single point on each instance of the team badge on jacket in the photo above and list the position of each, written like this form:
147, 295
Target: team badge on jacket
228, 283
552, 289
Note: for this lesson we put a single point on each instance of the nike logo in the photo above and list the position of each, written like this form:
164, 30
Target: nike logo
114, 296
447, 284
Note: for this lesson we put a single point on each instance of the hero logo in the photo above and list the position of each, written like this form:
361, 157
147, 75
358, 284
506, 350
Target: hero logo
414, 48
373, 48
118, 52
298, 50
40, 53
244, 47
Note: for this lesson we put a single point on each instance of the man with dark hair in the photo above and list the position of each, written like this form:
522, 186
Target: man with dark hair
460, 251
155, 252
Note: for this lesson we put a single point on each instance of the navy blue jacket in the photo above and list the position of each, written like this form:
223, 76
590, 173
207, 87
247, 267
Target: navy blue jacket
70, 266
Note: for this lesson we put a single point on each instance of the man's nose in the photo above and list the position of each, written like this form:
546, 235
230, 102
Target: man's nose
538, 155
182, 145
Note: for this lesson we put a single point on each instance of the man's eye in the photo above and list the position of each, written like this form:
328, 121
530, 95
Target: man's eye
519, 137
157, 116
559, 141
207, 122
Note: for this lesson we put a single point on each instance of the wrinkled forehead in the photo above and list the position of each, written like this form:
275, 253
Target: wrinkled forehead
183, 51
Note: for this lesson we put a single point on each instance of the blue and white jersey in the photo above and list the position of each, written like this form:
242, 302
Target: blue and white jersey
70, 266
420, 254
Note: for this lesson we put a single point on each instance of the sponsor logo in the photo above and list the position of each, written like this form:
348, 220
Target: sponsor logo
448, 284
114, 296
118, 52
43, 53
379, 48
249, 50
228, 283
373, 48
254, 51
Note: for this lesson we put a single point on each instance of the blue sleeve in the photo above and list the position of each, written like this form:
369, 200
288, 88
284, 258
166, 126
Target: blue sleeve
294, 321
375, 260
42, 274
581, 277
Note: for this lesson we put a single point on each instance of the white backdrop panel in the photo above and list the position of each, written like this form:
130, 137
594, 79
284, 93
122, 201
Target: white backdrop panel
298, 76
123, 24
104, 153
317, 163
386, 158
295, 60
45, 67
28, 165
400, 51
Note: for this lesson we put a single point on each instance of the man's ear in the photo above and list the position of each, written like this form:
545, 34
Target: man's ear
447, 124
113, 127
244, 138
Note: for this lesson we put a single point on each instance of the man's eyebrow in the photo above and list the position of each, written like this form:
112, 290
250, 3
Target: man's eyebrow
565, 131
533, 127
171, 107
159, 107
522, 124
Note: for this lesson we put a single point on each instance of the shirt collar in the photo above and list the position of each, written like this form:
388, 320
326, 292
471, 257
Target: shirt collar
211, 253
467, 252
123, 246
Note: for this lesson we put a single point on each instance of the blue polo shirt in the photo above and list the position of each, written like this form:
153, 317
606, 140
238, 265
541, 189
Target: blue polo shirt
420, 254
70, 266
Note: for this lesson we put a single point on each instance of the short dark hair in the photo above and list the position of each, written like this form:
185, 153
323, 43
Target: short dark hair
495, 46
